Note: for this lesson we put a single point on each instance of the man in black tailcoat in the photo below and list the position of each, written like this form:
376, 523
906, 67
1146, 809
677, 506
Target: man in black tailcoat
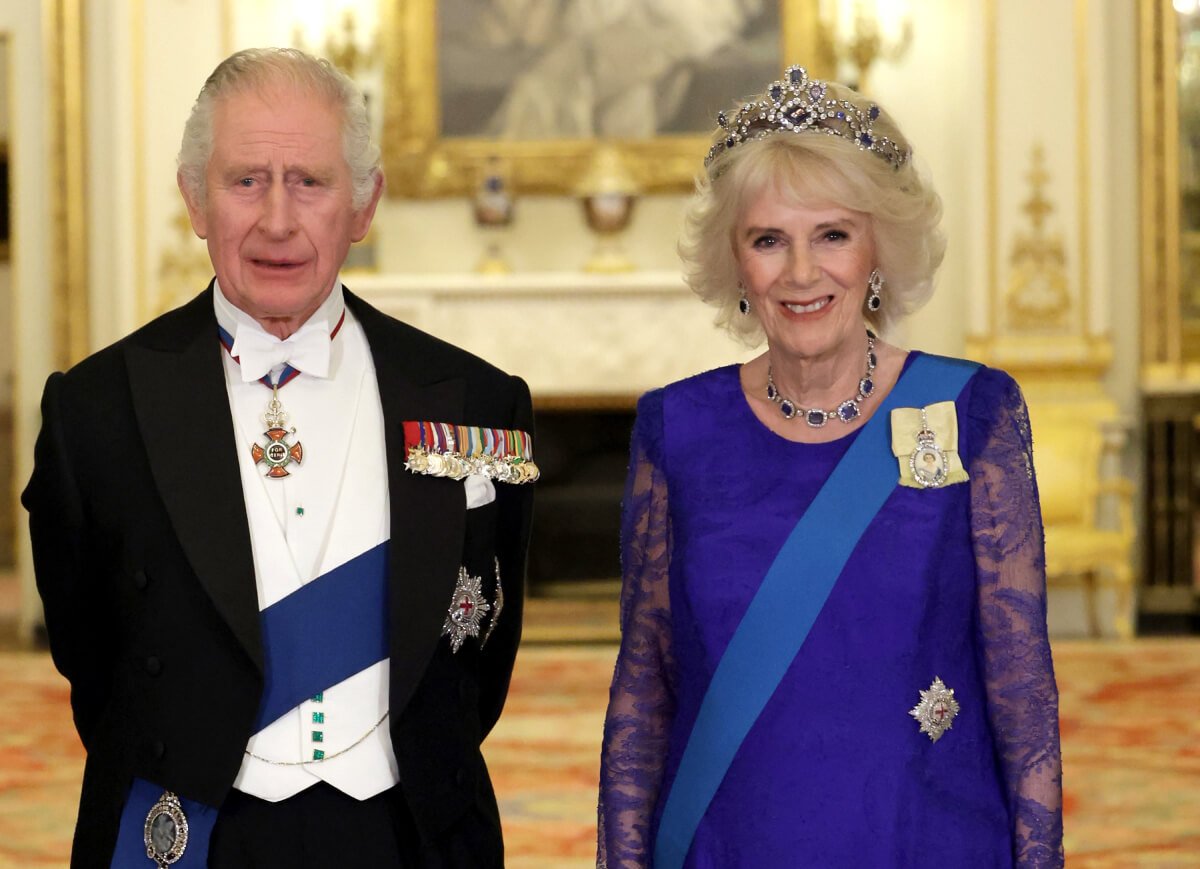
280, 536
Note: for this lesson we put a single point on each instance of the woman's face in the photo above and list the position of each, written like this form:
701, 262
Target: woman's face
805, 271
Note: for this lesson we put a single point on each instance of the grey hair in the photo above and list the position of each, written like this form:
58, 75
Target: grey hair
258, 68
813, 168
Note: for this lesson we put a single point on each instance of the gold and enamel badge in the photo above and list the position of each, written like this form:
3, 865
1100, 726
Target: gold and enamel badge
277, 453
936, 711
166, 831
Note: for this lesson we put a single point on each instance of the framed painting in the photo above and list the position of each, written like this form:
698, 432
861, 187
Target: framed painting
539, 84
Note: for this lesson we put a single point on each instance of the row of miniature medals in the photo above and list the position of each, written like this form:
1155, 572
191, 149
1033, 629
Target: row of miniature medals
928, 461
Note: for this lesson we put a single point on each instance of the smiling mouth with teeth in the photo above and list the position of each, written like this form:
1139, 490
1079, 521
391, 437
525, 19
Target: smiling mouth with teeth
809, 308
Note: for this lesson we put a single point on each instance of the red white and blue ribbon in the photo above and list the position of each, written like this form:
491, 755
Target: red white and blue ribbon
289, 373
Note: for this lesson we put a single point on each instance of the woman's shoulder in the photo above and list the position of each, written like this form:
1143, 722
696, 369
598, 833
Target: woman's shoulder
985, 386
686, 399
703, 386
699, 388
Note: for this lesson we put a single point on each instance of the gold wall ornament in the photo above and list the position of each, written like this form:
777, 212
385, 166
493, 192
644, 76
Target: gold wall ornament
344, 49
1037, 298
546, 113
1070, 355
183, 268
344, 52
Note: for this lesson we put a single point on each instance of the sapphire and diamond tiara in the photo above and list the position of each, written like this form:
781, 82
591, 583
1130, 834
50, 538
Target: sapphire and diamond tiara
797, 104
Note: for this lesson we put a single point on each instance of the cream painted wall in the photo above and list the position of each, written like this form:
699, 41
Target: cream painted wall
30, 328
143, 78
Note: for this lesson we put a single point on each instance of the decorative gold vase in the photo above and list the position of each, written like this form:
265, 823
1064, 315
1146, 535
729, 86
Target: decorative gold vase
608, 194
493, 207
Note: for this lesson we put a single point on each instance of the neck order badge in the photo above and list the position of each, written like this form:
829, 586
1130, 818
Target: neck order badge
277, 453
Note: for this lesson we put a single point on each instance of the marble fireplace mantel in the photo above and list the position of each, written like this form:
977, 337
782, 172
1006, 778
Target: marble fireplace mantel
571, 335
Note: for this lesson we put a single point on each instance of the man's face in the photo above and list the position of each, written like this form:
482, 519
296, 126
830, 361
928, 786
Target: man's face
277, 212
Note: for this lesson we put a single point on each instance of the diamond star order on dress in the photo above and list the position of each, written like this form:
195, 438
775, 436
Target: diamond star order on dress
936, 711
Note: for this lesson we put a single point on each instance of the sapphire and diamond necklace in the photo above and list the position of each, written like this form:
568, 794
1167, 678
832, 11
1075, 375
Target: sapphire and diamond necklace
847, 411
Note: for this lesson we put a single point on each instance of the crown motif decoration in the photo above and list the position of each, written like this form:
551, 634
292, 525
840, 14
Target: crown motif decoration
798, 104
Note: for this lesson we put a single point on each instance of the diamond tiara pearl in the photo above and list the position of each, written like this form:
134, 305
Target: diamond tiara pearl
847, 411
798, 104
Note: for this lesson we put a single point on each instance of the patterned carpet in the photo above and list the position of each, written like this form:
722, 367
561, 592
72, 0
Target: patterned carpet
1131, 742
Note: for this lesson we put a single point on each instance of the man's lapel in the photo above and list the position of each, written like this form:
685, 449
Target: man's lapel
179, 395
428, 514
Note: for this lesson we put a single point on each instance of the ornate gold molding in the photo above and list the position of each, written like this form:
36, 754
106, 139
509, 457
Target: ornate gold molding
67, 188
421, 162
1162, 325
1036, 327
1038, 298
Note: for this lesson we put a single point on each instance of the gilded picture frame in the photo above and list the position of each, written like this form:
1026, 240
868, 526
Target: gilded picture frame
423, 160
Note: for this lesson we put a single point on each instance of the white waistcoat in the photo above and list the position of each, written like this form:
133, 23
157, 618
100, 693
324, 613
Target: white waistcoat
332, 507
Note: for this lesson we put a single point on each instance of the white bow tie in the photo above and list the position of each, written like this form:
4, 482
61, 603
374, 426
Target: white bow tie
260, 353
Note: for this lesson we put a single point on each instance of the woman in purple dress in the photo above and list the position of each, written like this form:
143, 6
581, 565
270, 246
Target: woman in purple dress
834, 645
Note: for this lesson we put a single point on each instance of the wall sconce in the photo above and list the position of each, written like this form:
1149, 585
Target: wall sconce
860, 32
345, 54
342, 47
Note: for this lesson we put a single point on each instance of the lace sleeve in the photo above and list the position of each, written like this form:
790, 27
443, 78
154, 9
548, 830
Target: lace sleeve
641, 701
1010, 558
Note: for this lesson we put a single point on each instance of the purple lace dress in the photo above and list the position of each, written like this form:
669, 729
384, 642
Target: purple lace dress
945, 583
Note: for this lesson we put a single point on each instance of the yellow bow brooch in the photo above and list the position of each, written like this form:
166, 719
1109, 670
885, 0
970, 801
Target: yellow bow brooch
925, 443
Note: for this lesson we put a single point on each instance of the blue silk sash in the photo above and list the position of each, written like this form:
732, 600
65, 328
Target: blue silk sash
759, 654
321, 634
324, 633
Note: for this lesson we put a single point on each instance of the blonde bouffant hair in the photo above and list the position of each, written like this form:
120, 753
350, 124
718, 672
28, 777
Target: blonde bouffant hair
814, 168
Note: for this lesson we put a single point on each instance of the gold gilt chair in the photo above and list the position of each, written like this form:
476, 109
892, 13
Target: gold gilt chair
1074, 448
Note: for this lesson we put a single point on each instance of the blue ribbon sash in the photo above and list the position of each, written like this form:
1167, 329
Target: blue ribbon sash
324, 633
759, 654
321, 634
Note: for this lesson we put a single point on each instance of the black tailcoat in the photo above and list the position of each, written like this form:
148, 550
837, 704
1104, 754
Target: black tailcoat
143, 561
